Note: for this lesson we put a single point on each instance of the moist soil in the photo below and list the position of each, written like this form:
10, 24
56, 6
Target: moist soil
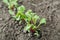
49, 9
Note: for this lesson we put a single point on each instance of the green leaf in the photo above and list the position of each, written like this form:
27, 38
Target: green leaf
13, 2
11, 12
28, 19
28, 13
18, 18
28, 16
33, 14
6, 1
21, 9
43, 21
35, 18
27, 27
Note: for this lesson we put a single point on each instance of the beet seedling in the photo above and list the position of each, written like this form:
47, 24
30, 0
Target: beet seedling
33, 28
20, 13
29, 17
11, 3
42, 21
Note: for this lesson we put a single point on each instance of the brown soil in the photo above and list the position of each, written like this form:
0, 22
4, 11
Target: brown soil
49, 9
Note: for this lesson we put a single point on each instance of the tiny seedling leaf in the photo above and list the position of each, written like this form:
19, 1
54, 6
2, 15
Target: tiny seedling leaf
18, 18
27, 27
13, 2
21, 9
6, 1
11, 12
35, 18
28, 13
43, 21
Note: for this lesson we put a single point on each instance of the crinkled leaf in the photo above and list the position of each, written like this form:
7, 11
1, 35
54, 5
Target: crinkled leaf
43, 21
21, 9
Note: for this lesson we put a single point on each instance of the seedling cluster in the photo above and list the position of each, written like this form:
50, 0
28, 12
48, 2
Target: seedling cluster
28, 16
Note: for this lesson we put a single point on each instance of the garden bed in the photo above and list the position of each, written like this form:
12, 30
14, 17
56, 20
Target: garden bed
49, 9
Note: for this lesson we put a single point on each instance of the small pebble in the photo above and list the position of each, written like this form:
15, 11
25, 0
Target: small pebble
58, 33
29, 34
1, 19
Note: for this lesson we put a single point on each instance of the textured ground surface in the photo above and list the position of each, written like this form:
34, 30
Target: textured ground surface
50, 9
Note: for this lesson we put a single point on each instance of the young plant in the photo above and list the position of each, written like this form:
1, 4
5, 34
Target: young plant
20, 13
11, 3
29, 17
33, 28
32, 17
